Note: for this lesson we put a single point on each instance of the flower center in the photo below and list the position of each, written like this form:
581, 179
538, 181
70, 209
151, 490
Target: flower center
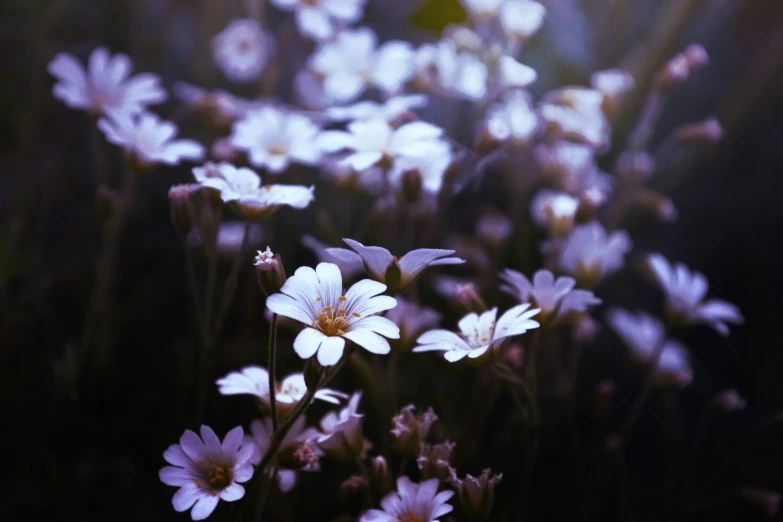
479, 339
409, 516
276, 150
311, 3
219, 477
334, 320
244, 45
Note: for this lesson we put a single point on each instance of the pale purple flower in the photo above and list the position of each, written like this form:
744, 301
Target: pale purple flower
316, 298
555, 211
412, 319
347, 261
206, 470
412, 503
552, 296
410, 429
389, 110
513, 120
575, 113
442, 66
521, 19
589, 253
261, 437
476, 494
242, 50
341, 432
320, 19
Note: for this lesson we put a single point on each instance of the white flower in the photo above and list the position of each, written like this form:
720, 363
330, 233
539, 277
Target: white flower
262, 432
521, 19
575, 113
105, 84
412, 503
348, 262
512, 74
398, 274
460, 72
431, 168
316, 298
612, 83
148, 138
555, 211
482, 9
254, 380
513, 120
274, 138
375, 140
644, 335
342, 432
351, 63
412, 319
318, 18
242, 188
547, 293
390, 110
478, 333
207, 471
685, 292
589, 253
242, 50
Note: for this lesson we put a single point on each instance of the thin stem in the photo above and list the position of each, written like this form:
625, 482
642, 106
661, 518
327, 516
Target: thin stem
644, 394
96, 148
230, 286
531, 378
271, 367
368, 501
267, 492
403, 466
194, 293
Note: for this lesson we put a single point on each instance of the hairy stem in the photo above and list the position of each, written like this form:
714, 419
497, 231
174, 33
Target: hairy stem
271, 367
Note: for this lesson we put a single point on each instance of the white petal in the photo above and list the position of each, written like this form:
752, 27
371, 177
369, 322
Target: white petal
379, 325
172, 476
314, 22
204, 507
370, 341
307, 342
232, 493
185, 497
286, 306
376, 259
331, 350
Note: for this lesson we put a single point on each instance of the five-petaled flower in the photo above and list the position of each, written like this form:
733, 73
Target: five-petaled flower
320, 19
412, 503
242, 50
557, 298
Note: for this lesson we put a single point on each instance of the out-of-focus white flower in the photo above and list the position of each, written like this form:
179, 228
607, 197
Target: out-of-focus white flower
482, 9
389, 111
685, 292
254, 380
435, 461
316, 298
552, 296
241, 187
554, 211
644, 335
431, 168
412, 503
341, 435
512, 74
262, 432
206, 470
105, 85
521, 19
444, 66
274, 138
351, 63
374, 141
149, 139
224, 105
319, 19
576, 114
478, 333
398, 274
589, 253
565, 164
348, 262
410, 429
242, 50
412, 319
613, 84
514, 120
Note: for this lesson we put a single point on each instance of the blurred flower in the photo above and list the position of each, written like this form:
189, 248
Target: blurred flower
412, 503
241, 187
613, 84
482, 9
555, 297
318, 18
254, 380
729, 401
435, 461
555, 211
389, 111
685, 292
315, 298
274, 138
430, 168
412, 319
521, 19
382, 266
644, 335
261, 438
478, 333
589, 253
242, 50
351, 63
513, 120
410, 429
443, 66
206, 470
494, 229
564, 164
149, 139
341, 435
223, 106
477, 494
575, 113
348, 262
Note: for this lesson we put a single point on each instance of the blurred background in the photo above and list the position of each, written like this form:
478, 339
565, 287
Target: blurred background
96, 456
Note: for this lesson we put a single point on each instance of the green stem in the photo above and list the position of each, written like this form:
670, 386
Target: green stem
644, 394
230, 286
272, 364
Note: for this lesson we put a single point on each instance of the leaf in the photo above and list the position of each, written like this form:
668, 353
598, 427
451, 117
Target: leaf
435, 15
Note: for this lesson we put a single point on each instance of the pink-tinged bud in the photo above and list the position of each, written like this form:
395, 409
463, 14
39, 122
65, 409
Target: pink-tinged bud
354, 492
224, 150
494, 230
468, 297
515, 356
635, 166
728, 401
183, 215
657, 204
705, 132
410, 430
435, 461
269, 271
585, 329
380, 476
697, 57
298, 455
763, 499
674, 73
477, 494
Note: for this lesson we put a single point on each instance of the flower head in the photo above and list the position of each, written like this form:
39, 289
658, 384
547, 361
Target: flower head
341, 435
412, 503
589, 253
555, 211
513, 120
389, 111
347, 261
477, 494
435, 461
521, 19
410, 429
316, 298
242, 50
478, 333
105, 85
412, 319
206, 470
555, 297
685, 292
320, 19
299, 434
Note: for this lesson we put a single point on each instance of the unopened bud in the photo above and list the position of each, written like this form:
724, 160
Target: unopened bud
494, 229
763, 499
269, 271
585, 328
728, 401
491, 137
635, 166
697, 57
705, 132
183, 215
312, 373
514, 356
411, 184
298, 455
354, 494
468, 297
477, 494
673, 74
657, 204
224, 150
106, 202
380, 476
613, 84
435, 461
410, 429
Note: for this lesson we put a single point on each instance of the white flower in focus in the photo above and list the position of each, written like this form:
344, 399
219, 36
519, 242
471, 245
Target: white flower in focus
262, 432
412, 503
316, 298
149, 139
589, 253
242, 50
478, 333
412, 319
348, 262
206, 470
105, 85
274, 138
318, 18
554, 211
552, 296
351, 63
241, 187
398, 274
514, 120
341, 435
644, 335
521, 19
685, 292
389, 111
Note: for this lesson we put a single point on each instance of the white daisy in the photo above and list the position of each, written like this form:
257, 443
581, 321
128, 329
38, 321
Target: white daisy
241, 187
521, 19
555, 211
274, 138
552, 296
589, 253
478, 333
149, 139
412, 503
105, 84
242, 50
316, 298
254, 380
685, 292
320, 19
341, 435
514, 120
206, 470
389, 110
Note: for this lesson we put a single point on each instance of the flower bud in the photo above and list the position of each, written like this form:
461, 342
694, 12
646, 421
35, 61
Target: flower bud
494, 230
674, 73
435, 461
411, 184
183, 215
298, 455
728, 401
635, 166
466, 295
312, 373
106, 202
763, 499
269, 271
380, 476
476, 494
224, 150
354, 494
705, 132
697, 57
410, 429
